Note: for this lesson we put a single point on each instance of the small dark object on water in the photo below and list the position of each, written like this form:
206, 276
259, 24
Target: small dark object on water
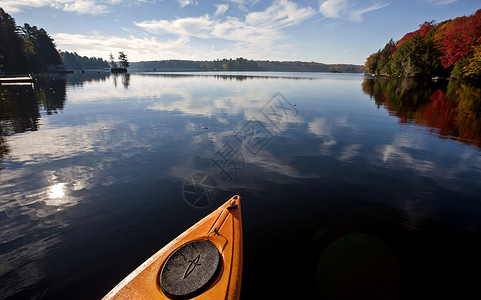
203, 127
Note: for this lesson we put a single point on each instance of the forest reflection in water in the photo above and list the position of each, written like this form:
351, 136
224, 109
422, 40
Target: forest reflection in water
448, 108
22, 106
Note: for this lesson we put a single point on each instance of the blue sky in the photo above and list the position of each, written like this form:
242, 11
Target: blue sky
328, 31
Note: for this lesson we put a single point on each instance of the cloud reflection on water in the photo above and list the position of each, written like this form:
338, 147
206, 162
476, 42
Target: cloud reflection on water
107, 136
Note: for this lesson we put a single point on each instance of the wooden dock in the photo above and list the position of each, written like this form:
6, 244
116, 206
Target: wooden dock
17, 79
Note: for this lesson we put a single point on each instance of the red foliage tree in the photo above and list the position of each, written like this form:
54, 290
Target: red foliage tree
426, 27
458, 37
422, 31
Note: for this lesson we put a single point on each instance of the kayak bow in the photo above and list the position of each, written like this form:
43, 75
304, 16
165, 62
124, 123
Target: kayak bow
204, 262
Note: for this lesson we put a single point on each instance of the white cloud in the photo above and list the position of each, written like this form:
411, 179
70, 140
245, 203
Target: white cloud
242, 4
143, 49
86, 7
13, 6
101, 46
346, 9
261, 28
239, 1
89, 7
197, 27
221, 9
281, 13
184, 3
442, 2
333, 8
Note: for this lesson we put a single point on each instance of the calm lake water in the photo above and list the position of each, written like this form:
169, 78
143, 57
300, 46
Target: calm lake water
351, 186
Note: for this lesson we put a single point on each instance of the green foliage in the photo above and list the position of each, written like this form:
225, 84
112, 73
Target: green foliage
458, 70
417, 57
473, 69
384, 58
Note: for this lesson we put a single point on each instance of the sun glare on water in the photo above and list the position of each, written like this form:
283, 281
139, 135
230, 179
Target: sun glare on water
56, 191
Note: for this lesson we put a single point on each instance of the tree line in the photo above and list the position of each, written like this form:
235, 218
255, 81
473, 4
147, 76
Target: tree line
25, 48
242, 64
28, 49
451, 48
73, 61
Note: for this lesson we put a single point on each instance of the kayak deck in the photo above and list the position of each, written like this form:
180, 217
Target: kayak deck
204, 262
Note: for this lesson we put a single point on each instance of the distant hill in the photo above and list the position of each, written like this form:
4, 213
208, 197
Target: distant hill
242, 64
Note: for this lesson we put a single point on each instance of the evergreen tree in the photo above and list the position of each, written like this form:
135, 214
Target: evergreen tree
73, 61
25, 49
13, 48
124, 63
44, 48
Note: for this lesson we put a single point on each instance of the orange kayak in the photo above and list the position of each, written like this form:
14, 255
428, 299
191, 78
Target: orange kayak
204, 262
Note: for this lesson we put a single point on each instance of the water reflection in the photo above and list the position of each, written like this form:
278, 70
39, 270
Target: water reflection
4, 149
124, 78
449, 109
21, 107
79, 79
108, 168
243, 76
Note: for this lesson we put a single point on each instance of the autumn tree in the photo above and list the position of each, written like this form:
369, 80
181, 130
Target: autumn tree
416, 53
384, 58
372, 62
473, 68
458, 38
450, 48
